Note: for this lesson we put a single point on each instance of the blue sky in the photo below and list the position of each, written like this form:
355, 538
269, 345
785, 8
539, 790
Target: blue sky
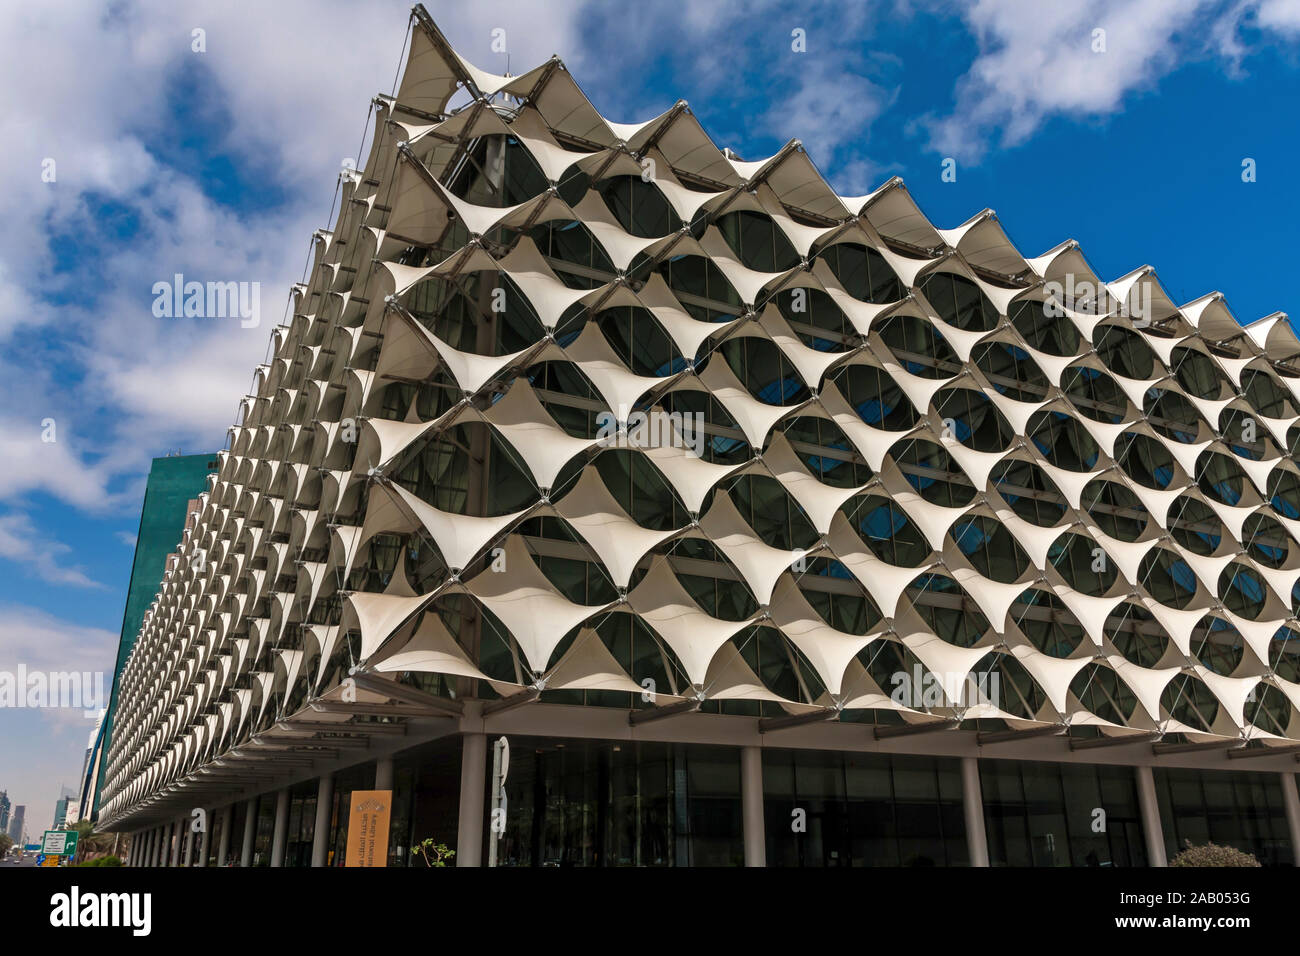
219, 164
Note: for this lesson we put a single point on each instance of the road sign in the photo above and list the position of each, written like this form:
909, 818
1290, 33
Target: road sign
51, 861
59, 842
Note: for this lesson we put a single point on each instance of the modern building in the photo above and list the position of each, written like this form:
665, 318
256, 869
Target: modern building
761, 524
17, 824
85, 795
4, 811
170, 496
65, 809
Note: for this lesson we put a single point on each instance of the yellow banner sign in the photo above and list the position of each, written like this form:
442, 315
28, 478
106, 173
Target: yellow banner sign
368, 827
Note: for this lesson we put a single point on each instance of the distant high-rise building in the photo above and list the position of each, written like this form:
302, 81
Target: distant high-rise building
170, 496
89, 771
66, 807
16, 824
4, 811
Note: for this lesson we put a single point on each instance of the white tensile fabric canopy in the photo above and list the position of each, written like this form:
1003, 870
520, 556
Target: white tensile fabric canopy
364, 397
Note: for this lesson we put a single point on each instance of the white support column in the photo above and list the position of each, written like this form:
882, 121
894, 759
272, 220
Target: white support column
972, 800
152, 859
320, 839
160, 845
1291, 801
205, 841
473, 770
384, 773
250, 831
188, 834
280, 836
223, 844
751, 801
1150, 809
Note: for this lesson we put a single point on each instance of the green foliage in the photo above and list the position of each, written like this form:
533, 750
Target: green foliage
101, 861
88, 841
1212, 854
434, 854
5, 843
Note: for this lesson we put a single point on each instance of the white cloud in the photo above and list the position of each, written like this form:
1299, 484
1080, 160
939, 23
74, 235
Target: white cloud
60, 467
42, 642
1280, 15
117, 100
828, 109
1037, 60
21, 543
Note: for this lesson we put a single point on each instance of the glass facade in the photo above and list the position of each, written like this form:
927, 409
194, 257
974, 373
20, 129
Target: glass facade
1243, 810
300, 832
426, 799
302, 824
1049, 814
237, 818
607, 803
575, 802
360, 777
216, 822
862, 809
265, 829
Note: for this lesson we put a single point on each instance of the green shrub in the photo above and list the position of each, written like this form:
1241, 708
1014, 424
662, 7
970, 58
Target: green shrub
1212, 854
101, 861
434, 854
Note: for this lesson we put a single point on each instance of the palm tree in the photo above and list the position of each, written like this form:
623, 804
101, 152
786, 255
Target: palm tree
89, 843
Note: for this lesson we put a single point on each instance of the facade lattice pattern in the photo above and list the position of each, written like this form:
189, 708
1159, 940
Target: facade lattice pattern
597, 413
